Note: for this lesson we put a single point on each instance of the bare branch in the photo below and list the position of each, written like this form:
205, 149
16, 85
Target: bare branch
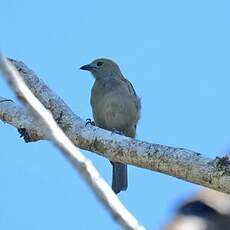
45, 119
181, 163
18, 117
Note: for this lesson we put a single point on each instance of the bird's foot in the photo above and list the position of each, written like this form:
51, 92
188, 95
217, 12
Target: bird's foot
89, 121
117, 132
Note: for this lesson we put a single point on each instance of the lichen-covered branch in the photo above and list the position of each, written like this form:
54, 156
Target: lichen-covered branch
18, 117
181, 163
43, 118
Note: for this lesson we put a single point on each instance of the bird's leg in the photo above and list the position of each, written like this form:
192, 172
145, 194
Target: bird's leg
89, 121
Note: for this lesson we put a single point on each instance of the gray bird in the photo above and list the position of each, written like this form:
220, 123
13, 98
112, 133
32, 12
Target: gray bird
115, 107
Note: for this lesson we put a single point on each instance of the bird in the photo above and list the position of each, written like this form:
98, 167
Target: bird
115, 107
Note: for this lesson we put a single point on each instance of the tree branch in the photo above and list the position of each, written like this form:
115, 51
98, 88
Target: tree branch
181, 163
44, 119
18, 117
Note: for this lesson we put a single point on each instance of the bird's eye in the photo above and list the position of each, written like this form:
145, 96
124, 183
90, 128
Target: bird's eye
99, 63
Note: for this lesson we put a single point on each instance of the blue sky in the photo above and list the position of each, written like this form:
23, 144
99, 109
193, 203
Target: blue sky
176, 54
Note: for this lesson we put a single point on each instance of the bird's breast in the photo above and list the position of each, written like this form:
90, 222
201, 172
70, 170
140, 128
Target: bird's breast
113, 107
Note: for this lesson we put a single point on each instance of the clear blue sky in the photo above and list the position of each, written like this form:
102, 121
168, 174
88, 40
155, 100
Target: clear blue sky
176, 54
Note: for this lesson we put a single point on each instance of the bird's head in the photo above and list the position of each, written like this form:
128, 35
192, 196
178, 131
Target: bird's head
103, 67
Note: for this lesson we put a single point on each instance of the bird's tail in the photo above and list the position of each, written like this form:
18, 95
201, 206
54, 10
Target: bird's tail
120, 177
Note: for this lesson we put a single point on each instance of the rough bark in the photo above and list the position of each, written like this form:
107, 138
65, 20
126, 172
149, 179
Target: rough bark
178, 162
44, 119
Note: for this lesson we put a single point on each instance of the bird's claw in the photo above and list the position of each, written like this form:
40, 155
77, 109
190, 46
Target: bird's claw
89, 121
117, 132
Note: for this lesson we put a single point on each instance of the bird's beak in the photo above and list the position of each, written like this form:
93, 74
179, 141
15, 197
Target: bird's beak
89, 67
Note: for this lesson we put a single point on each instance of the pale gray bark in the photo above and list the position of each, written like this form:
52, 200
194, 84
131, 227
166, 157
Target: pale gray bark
44, 119
181, 163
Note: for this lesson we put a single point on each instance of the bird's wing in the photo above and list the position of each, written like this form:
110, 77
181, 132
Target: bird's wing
133, 93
